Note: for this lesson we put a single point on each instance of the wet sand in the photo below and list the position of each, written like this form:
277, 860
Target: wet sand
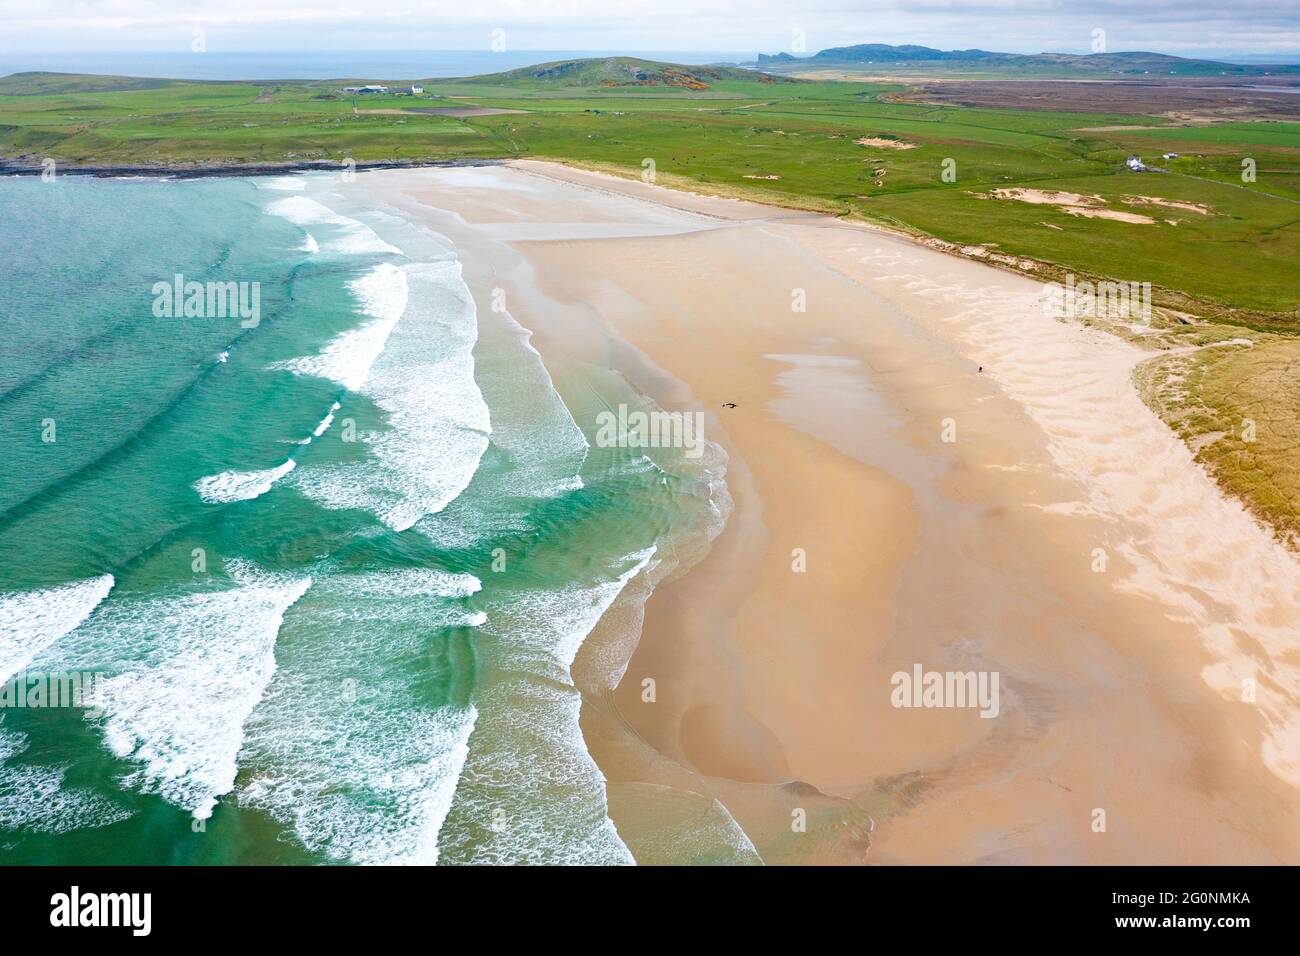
1063, 539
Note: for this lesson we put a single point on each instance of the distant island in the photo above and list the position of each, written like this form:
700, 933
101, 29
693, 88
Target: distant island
913, 57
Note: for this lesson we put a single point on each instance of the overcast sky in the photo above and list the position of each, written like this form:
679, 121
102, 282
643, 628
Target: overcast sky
1188, 27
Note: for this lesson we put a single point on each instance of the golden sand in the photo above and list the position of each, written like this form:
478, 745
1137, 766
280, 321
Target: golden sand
926, 470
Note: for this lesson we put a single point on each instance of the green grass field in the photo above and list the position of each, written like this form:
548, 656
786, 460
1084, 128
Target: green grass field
723, 130
794, 143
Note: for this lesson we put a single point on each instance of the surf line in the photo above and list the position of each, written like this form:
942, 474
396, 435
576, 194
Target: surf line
231, 486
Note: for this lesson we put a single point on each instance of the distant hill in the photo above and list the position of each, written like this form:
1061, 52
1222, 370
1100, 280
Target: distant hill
884, 53
597, 72
31, 84
621, 71
913, 57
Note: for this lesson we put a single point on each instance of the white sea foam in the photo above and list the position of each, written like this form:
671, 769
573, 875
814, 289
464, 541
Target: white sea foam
321, 428
32, 621
284, 183
721, 824
241, 485
410, 582
382, 294
384, 799
546, 628
348, 235
537, 430
324, 424
326, 421
34, 798
370, 777
532, 429
581, 608
189, 671
309, 244
534, 735
420, 373
679, 825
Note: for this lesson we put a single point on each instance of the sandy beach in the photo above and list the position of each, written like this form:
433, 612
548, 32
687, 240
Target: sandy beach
925, 470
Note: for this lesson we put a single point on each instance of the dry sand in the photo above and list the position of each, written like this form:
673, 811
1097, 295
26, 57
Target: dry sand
1065, 540
1073, 204
1169, 203
881, 142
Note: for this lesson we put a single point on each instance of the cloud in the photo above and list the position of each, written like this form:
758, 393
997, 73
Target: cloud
1265, 26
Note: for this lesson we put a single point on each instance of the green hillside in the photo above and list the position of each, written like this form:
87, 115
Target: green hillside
35, 84
620, 71
921, 58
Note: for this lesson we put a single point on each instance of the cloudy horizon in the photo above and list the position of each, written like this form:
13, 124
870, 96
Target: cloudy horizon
1259, 29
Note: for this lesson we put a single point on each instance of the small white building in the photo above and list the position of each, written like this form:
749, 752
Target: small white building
1135, 163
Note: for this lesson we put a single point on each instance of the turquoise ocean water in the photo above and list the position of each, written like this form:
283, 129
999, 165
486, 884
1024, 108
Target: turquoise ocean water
330, 571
